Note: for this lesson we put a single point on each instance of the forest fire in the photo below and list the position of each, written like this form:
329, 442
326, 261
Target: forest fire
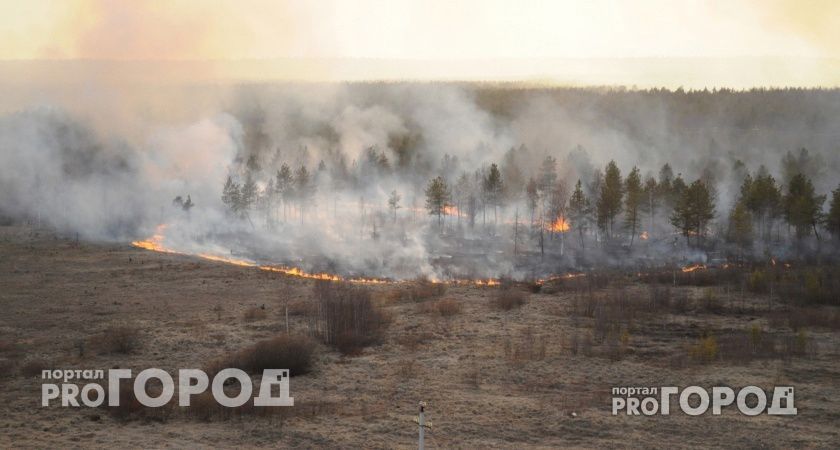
693, 268
644, 236
155, 242
559, 226
450, 210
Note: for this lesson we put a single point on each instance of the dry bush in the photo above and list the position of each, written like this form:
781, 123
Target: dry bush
254, 314
705, 350
528, 347
123, 339
293, 352
472, 377
7, 367
346, 317
660, 297
798, 318
33, 367
413, 341
299, 307
406, 369
580, 344
447, 307
423, 289
711, 301
131, 408
508, 299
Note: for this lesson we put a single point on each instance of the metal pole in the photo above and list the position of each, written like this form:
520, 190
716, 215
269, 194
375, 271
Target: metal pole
422, 424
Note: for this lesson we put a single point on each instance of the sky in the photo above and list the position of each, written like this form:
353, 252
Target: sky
452, 32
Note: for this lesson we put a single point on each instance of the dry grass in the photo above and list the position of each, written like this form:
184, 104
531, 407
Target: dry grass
254, 314
293, 352
507, 299
123, 339
346, 317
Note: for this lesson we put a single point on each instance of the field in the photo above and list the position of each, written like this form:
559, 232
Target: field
494, 373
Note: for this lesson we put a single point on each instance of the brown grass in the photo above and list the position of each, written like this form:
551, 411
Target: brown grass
508, 299
293, 352
122, 339
254, 314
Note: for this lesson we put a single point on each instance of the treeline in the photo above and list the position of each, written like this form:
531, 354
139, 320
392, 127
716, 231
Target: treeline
614, 208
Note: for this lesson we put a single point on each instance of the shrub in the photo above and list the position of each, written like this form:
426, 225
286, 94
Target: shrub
33, 367
508, 299
758, 282
447, 307
293, 352
254, 314
529, 347
119, 339
711, 302
422, 289
706, 350
346, 317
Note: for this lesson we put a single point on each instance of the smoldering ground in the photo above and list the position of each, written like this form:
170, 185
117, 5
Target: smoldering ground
62, 165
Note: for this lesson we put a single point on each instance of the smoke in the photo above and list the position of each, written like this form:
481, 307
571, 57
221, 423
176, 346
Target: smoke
64, 166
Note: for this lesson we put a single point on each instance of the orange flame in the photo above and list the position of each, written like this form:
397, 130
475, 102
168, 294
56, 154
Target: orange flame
644, 236
154, 243
693, 267
559, 226
450, 210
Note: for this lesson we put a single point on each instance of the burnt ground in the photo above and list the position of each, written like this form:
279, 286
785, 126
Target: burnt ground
534, 377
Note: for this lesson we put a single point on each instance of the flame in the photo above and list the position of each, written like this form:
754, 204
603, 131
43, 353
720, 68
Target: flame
773, 261
693, 267
560, 225
154, 243
644, 236
450, 210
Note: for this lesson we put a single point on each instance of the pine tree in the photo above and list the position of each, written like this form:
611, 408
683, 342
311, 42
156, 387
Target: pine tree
580, 211
247, 195
608, 205
493, 187
230, 194
394, 203
740, 230
651, 201
532, 197
802, 206
832, 221
284, 186
437, 198
304, 189
693, 211
633, 187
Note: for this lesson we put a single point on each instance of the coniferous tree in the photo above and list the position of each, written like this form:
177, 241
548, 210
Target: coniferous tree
532, 197
802, 206
394, 203
580, 211
230, 194
493, 187
632, 202
832, 221
437, 198
693, 211
651, 200
284, 186
608, 205
740, 231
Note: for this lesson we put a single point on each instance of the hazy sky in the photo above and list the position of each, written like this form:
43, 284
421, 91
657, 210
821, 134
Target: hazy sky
417, 29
